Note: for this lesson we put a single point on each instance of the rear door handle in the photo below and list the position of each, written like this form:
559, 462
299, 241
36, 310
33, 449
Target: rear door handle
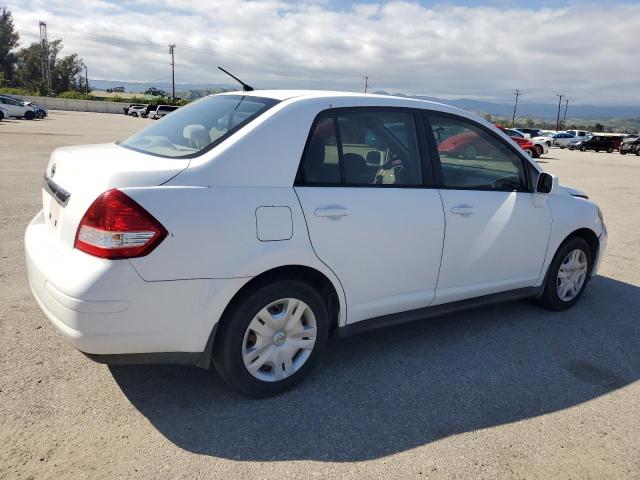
331, 212
464, 210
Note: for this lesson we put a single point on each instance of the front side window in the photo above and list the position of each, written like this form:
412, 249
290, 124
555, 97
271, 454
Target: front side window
473, 158
199, 126
363, 147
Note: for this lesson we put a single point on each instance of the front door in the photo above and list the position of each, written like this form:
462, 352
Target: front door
496, 236
370, 217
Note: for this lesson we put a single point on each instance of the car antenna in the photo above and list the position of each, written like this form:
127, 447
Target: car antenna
245, 87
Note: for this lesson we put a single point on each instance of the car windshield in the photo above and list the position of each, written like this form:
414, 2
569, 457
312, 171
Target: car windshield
198, 126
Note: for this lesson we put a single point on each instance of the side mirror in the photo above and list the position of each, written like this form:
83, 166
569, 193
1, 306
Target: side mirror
547, 183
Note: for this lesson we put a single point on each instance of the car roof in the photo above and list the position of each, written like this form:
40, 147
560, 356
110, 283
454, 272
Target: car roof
353, 98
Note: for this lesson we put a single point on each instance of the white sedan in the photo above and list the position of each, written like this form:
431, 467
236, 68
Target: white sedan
245, 228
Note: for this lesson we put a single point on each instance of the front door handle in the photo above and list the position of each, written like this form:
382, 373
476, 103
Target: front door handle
331, 212
464, 210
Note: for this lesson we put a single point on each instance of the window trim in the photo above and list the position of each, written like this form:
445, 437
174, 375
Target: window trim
437, 165
427, 179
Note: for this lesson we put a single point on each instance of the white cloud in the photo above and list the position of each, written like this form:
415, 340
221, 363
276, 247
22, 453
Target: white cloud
589, 53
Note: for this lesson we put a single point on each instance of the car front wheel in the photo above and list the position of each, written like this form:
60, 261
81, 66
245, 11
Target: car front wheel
568, 275
29, 115
271, 338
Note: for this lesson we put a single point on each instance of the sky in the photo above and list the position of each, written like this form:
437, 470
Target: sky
458, 49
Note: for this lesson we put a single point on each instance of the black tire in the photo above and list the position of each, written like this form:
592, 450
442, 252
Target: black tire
638, 152
29, 115
228, 343
1, 116
550, 298
40, 114
539, 150
584, 149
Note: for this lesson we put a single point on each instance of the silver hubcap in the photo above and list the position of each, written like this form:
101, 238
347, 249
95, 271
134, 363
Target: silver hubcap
571, 275
279, 340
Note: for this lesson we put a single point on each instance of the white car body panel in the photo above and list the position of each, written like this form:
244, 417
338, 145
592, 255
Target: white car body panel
233, 213
481, 254
393, 268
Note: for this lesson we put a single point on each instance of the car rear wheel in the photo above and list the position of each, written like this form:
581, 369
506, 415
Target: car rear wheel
271, 339
584, 149
568, 275
539, 150
29, 115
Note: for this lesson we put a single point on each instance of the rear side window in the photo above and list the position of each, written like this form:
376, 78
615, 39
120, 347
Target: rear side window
473, 158
199, 126
363, 147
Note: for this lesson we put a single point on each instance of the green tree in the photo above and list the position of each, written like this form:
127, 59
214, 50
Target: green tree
65, 71
8, 41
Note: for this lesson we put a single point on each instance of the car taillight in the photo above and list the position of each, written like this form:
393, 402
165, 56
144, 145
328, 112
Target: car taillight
115, 226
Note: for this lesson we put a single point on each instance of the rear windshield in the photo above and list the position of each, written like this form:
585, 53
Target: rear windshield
199, 126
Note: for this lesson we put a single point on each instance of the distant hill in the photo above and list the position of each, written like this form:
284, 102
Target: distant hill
191, 91
536, 110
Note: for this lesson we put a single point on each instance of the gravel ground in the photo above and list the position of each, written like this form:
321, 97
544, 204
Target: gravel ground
510, 391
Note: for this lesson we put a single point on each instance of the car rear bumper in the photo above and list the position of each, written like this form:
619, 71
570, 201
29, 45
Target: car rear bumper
103, 307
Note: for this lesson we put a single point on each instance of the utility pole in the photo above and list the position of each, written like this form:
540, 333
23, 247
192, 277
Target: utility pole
366, 83
564, 121
517, 93
86, 80
46, 68
559, 102
173, 73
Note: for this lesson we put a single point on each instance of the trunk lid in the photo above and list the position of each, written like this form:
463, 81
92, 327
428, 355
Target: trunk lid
76, 176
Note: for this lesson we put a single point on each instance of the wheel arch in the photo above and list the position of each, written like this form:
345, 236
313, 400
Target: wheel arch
330, 293
586, 234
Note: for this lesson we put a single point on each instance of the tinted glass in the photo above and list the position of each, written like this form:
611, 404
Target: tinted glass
193, 128
375, 148
379, 148
473, 158
321, 162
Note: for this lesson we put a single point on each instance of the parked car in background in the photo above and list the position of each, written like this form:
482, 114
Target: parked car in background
137, 110
579, 135
562, 139
133, 105
544, 136
163, 110
148, 110
630, 144
16, 108
540, 145
41, 112
135, 257
524, 143
596, 143
528, 132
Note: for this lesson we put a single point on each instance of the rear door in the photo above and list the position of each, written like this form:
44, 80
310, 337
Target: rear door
373, 218
496, 235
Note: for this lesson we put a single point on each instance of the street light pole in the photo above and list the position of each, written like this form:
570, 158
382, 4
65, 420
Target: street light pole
517, 93
564, 121
86, 81
559, 102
